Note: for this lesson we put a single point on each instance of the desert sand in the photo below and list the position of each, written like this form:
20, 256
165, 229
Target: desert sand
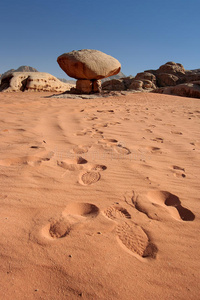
99, 197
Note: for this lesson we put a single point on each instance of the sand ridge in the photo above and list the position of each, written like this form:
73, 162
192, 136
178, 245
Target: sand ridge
99, 197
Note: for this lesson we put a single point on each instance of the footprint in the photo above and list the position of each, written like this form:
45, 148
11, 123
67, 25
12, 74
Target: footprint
151, 149
179, 175
165, 198
72, 164
143, 206
122, 150
100, 125
178, 168
179, 172
148, 130
97, 135
159, 140
113, 141
34, 147
89, 177
84, 132
117, 212
176, 132
80, 149
133, 238
97, 167
81, 209
71, 217
114, 123
57, 229
109, 110
91, 118
81, 133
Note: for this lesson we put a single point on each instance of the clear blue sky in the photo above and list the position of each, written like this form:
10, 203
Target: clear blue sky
140, 34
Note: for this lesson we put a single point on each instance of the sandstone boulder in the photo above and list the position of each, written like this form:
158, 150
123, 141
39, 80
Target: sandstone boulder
172, 68
147, 76
32, 81
141, 85
113, 85
136, 84
127, 81
88, 64
165, 79
147, 84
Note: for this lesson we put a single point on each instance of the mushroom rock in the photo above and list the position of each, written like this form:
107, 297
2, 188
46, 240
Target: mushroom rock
88, 65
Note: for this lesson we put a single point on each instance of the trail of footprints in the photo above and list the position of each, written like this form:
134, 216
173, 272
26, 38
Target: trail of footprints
129, 235
91, 172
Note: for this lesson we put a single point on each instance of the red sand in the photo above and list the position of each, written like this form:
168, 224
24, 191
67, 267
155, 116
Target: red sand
99, 197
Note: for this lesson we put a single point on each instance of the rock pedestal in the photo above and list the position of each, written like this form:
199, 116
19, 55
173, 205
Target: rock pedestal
88, 86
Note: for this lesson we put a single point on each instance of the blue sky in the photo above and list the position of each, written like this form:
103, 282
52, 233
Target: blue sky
140, 34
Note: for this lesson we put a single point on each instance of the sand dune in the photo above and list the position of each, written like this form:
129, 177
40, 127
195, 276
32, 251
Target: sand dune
99, 197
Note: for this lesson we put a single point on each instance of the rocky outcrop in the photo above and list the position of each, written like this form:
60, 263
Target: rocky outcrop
169, 74
88, 64
32, 81
185, 90
170, 78
128, 83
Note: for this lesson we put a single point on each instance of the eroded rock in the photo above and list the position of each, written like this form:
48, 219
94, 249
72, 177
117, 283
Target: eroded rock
32, 81
185, 90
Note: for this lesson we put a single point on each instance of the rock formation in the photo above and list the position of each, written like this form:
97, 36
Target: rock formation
32, 81
20, 69
117, 76
170, 78
88, 66
185, 89
114, 85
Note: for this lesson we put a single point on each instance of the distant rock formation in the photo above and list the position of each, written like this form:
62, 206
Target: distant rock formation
171, 78
88, 67
32, 81
20, 69
117, 76
67, 81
